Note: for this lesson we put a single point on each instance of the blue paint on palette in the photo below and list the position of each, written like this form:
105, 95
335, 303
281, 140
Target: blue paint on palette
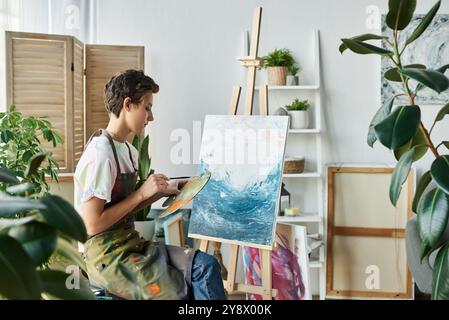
243, 214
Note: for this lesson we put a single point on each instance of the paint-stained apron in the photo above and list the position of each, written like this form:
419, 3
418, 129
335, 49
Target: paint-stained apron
125, 264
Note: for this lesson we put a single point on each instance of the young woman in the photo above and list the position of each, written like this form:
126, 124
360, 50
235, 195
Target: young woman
105, 196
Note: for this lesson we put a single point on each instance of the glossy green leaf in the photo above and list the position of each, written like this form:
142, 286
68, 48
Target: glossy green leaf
38, 239
10, 223
432, 79
61, 215
21, 189
417, 141
69, 251
441, 69
446, 144
34, 164
399, 127
400, 13
6, 136
440, 172
8, 176
400, 174
440, 279
380, 115
18, 277
144, 160
433, 213
426, 20
10, 206
136, 142
443, 111
363, 37
421, 187
393, 75
364, 48
58, 285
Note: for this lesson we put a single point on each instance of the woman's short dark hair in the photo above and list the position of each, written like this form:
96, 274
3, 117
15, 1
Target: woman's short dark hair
130, 83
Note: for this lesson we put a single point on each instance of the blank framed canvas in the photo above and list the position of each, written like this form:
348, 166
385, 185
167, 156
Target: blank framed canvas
366, 255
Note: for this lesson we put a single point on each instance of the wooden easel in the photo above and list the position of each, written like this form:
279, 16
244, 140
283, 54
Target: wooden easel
252, 62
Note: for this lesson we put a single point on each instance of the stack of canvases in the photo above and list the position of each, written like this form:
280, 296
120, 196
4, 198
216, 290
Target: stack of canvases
290, 273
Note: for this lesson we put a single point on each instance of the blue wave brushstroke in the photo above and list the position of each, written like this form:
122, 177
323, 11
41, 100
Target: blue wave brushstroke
222, 211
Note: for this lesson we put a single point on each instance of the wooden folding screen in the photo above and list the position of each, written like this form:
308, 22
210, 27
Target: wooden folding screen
60, 78
102, 62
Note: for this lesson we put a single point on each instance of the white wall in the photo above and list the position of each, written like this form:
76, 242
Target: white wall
191, 49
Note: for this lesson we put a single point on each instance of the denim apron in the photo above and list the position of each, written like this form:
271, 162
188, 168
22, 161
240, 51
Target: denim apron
125, 264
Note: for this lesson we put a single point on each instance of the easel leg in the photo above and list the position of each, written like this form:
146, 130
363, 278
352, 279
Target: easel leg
204, 245
230, 281
266, 274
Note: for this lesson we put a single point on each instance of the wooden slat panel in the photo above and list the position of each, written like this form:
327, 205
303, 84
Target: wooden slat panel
39, 79
102, 62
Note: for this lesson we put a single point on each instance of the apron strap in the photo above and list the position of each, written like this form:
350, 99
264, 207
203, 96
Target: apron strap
131, 156
107, 135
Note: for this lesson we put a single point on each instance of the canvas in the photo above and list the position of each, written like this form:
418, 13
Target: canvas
290, 261
366, 257
245, 157
431, 49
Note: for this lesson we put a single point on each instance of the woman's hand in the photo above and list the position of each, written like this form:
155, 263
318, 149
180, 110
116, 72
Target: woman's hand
174, 186
156, 183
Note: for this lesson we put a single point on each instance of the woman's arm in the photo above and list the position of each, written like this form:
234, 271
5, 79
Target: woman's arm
97, 219
148, 202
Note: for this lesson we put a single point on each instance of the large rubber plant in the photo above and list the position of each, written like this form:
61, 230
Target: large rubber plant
400, 129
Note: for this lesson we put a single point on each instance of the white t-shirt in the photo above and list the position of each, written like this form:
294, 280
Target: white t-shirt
96, 170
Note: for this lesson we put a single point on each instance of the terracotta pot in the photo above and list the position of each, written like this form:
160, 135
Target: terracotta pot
277, 76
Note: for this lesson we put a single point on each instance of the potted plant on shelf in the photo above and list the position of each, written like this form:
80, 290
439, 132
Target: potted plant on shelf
143, 224
277, 64
401, 129
299, 117
292, 78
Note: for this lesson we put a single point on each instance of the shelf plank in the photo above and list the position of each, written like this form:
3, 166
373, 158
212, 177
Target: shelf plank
302, 175
304, 131
315, 264
304, 217
302, 87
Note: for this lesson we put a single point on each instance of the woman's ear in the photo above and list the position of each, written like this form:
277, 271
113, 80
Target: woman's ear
127, 104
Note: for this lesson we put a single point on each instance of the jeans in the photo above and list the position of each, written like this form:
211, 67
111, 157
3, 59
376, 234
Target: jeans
206, 278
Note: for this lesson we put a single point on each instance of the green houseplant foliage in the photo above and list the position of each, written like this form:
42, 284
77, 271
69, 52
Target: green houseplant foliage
298, 105
293, 70
279, 58
401, 130
47, 226
21, 150
144, 170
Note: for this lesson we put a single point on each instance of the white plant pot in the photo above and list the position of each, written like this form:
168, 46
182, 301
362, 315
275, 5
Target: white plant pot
299, 119
292, 80
145, 229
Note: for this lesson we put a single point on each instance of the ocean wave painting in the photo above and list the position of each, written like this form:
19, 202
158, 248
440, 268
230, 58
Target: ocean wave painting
240, 201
